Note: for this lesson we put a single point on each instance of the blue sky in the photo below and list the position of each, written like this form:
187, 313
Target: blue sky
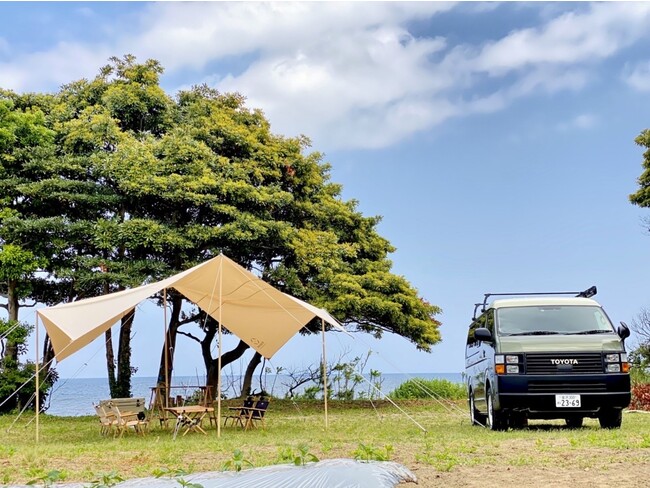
495, 139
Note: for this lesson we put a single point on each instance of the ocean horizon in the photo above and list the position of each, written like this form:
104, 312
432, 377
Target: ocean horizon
71, 397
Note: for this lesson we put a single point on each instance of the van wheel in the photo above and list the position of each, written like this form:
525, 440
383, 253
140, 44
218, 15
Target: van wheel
475, 416
496, 420
574, 422
611, 418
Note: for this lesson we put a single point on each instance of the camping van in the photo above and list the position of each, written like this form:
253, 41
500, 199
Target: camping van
545, 356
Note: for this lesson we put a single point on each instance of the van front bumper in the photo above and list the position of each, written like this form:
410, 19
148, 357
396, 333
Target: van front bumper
536, 394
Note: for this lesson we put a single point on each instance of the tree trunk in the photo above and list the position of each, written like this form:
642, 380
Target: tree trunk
206, 344
177, 302
48, 355
248, 376
226, 359
110, 364
110, 358
124, 370
11, 350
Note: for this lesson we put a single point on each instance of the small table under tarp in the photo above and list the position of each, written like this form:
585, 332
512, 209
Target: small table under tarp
190, 417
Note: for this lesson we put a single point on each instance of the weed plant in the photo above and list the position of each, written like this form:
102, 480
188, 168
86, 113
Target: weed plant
435, 388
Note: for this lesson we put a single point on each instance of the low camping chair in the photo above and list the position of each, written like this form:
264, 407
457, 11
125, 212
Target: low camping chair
129, 419
256, 414
239, 414
107, 420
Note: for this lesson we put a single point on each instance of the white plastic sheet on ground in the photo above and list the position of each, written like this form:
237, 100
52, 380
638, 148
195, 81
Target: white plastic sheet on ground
331, 473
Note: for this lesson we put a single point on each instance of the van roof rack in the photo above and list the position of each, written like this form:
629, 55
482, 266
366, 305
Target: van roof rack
588, 293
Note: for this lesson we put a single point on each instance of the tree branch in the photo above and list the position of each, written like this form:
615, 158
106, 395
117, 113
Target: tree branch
189, 320
187, 334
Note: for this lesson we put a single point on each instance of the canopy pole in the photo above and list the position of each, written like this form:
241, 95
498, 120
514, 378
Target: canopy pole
166, 349
324, 374
37, 392
219, 352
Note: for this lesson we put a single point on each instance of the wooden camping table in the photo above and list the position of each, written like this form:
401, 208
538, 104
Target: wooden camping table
189, 416
157, 402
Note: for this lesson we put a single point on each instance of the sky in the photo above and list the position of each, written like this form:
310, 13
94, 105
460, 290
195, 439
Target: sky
496, 140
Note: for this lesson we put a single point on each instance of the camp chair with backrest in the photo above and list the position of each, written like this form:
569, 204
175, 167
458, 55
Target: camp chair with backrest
128, 419
107, 419
238, 415
256, 414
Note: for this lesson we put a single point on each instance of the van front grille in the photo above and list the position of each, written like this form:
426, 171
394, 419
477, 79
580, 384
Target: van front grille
564, 363
563, 387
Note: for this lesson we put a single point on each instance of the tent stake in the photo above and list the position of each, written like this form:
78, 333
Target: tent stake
324, 375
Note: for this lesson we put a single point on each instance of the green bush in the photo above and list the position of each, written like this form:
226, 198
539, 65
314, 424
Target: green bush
436, 388
639, 375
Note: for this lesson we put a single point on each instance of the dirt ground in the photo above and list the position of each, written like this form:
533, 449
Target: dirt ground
523, 477
585, 468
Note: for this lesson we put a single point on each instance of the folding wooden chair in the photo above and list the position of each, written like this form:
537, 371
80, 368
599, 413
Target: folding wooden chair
129, 419
256, 414
239, 414
107, 420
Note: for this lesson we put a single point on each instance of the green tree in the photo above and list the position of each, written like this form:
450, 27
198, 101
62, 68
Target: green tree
642, 196
142, 186
640, 356
25, 143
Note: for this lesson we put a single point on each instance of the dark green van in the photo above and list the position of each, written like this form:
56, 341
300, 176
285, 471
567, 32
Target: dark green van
542, 356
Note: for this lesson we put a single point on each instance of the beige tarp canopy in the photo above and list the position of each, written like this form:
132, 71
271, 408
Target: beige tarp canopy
260, 315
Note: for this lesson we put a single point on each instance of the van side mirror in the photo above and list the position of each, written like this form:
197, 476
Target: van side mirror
483, 334
623, 331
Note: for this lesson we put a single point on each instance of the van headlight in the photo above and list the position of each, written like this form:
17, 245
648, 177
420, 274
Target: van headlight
616, 362
507, 364
614, 368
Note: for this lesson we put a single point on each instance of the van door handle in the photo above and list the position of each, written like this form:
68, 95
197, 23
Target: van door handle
483, 354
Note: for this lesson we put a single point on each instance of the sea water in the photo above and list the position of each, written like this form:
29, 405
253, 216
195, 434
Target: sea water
72, 397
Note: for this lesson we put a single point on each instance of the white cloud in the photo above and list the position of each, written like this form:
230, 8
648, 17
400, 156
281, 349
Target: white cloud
194, 34
86, 12
349, 90
638, 76
352, 74
63, 63
579, 122
567, 39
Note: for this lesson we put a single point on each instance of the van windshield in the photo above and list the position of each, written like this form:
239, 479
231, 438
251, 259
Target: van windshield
553, 319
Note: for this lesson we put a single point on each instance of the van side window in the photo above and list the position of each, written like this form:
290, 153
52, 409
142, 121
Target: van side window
471, 340
489, 320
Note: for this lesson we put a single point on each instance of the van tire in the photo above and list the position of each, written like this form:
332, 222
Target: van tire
611, 418
476, 417
496, 420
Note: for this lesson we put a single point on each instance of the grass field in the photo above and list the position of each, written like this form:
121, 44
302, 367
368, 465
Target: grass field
450, 453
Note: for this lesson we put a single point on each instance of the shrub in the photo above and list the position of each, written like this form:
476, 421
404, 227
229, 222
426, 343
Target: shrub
640, 397
639, 375
436, 388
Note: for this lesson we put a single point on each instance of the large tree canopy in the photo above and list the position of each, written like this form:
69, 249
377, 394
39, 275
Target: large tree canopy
642, 196
641, 326
132, 185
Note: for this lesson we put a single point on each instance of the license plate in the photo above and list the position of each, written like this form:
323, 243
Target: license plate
567, 401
